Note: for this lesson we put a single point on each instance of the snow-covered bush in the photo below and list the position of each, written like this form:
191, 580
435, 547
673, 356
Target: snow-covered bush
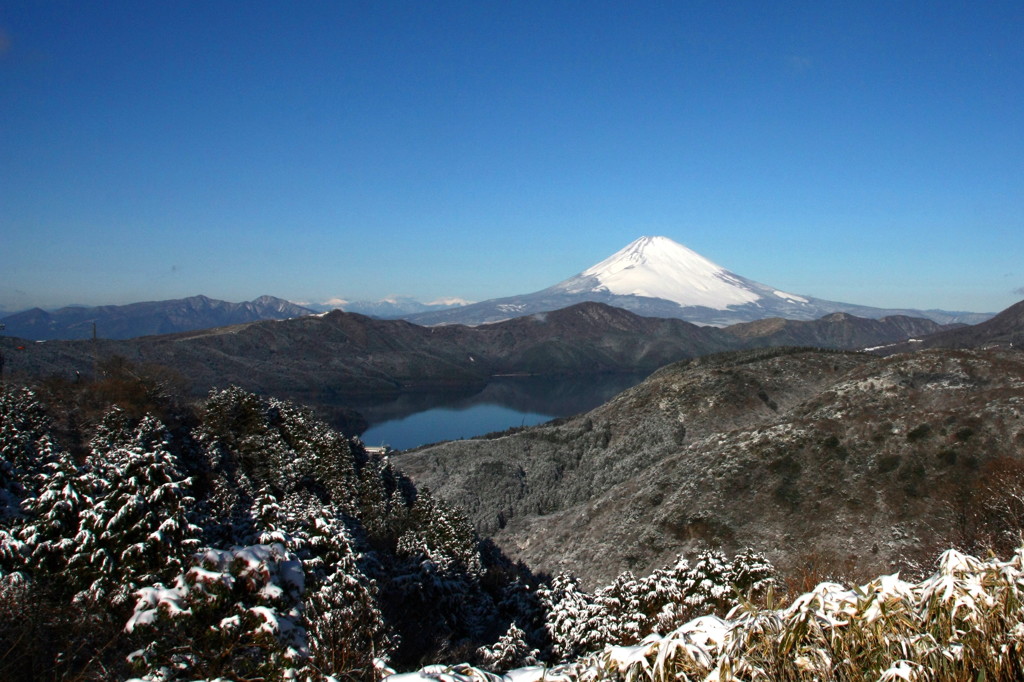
510, 651
236, 613
630, 608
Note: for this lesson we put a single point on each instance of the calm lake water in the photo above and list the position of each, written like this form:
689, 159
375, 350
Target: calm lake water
417, 419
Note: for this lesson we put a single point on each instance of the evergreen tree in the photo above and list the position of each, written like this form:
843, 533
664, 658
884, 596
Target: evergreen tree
511, 651
235, 613
53, 521
346, 626
25, 449
138, 529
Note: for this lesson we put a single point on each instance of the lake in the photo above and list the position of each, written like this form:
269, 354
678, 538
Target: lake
416, 419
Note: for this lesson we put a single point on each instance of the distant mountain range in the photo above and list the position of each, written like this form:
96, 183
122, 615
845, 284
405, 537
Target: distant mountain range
652, 277
193, 313
657, 277
144, 319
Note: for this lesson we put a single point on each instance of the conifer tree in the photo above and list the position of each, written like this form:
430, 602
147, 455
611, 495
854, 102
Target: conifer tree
138, 528
233, 613
25, 449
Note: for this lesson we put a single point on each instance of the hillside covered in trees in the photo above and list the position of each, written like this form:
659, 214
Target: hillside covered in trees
242, 539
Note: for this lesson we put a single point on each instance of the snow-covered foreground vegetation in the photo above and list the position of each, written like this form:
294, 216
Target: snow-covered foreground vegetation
965, 622
141, 538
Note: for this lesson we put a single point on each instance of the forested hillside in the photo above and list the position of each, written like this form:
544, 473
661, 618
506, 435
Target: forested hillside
240, 538
333, 357
845, 460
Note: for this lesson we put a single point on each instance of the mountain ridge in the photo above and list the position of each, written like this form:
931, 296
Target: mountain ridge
389, 308
327, 359
1005, 329
145, 318
585, 337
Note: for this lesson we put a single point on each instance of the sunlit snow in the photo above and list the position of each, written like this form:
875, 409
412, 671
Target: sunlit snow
658, 267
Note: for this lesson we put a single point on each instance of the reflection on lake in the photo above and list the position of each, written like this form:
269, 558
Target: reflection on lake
418, 418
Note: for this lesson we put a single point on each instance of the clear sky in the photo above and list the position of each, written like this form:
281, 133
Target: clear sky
866, 152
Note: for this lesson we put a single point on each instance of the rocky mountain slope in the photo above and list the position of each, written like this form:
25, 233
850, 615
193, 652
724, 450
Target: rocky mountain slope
142, 319
657, 277
841, 460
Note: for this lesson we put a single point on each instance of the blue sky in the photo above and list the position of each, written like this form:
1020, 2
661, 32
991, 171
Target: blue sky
867, 152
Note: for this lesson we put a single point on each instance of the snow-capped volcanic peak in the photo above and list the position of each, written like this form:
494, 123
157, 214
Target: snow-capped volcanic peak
658, 267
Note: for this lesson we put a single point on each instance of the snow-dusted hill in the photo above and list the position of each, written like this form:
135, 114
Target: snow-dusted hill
658, 277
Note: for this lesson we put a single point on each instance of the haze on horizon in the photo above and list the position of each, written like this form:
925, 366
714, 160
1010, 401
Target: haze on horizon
869, 153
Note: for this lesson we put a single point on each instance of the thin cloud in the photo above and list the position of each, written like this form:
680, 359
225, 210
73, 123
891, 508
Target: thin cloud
1019, 291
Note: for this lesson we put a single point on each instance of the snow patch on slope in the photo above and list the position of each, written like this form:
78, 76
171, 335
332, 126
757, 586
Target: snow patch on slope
790, 297
658, 267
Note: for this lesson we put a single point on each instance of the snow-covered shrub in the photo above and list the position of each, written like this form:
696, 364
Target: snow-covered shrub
510, 651
236, 613
575, 622
630, 608
964, 622
53, 517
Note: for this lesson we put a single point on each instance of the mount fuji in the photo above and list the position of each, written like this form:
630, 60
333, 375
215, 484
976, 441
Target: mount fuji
658, 277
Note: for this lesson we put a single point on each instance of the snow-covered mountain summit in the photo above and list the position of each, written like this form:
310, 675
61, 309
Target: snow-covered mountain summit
657, 267
658, 277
